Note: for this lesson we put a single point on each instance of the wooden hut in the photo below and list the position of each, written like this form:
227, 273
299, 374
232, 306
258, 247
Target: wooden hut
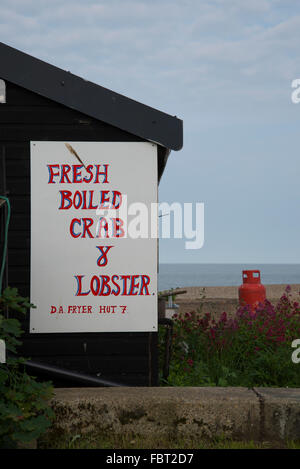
42, 103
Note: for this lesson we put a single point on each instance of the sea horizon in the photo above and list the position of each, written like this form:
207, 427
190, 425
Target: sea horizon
229, 263
178, 275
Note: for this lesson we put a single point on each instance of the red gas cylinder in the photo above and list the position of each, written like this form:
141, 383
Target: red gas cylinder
252, 291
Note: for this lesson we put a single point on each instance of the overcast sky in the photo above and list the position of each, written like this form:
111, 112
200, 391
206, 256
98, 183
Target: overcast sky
223, 66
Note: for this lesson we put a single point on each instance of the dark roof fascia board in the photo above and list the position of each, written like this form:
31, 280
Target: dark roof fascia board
93, 100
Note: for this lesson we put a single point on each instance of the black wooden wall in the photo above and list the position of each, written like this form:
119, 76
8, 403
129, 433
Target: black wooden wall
130, 358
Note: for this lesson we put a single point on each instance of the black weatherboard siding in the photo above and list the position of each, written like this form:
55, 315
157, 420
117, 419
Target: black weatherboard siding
129, 358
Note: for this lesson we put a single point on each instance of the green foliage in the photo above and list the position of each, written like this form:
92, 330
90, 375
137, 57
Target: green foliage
153, 441
10, 329
253, 348
24, 410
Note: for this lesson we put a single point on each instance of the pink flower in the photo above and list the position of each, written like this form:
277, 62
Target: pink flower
223, 317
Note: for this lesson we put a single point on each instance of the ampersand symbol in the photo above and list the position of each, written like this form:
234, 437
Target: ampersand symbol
102, 260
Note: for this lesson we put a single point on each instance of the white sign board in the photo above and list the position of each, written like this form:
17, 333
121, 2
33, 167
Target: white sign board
87, 273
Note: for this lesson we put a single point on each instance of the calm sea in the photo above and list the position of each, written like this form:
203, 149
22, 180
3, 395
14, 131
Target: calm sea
191, 275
